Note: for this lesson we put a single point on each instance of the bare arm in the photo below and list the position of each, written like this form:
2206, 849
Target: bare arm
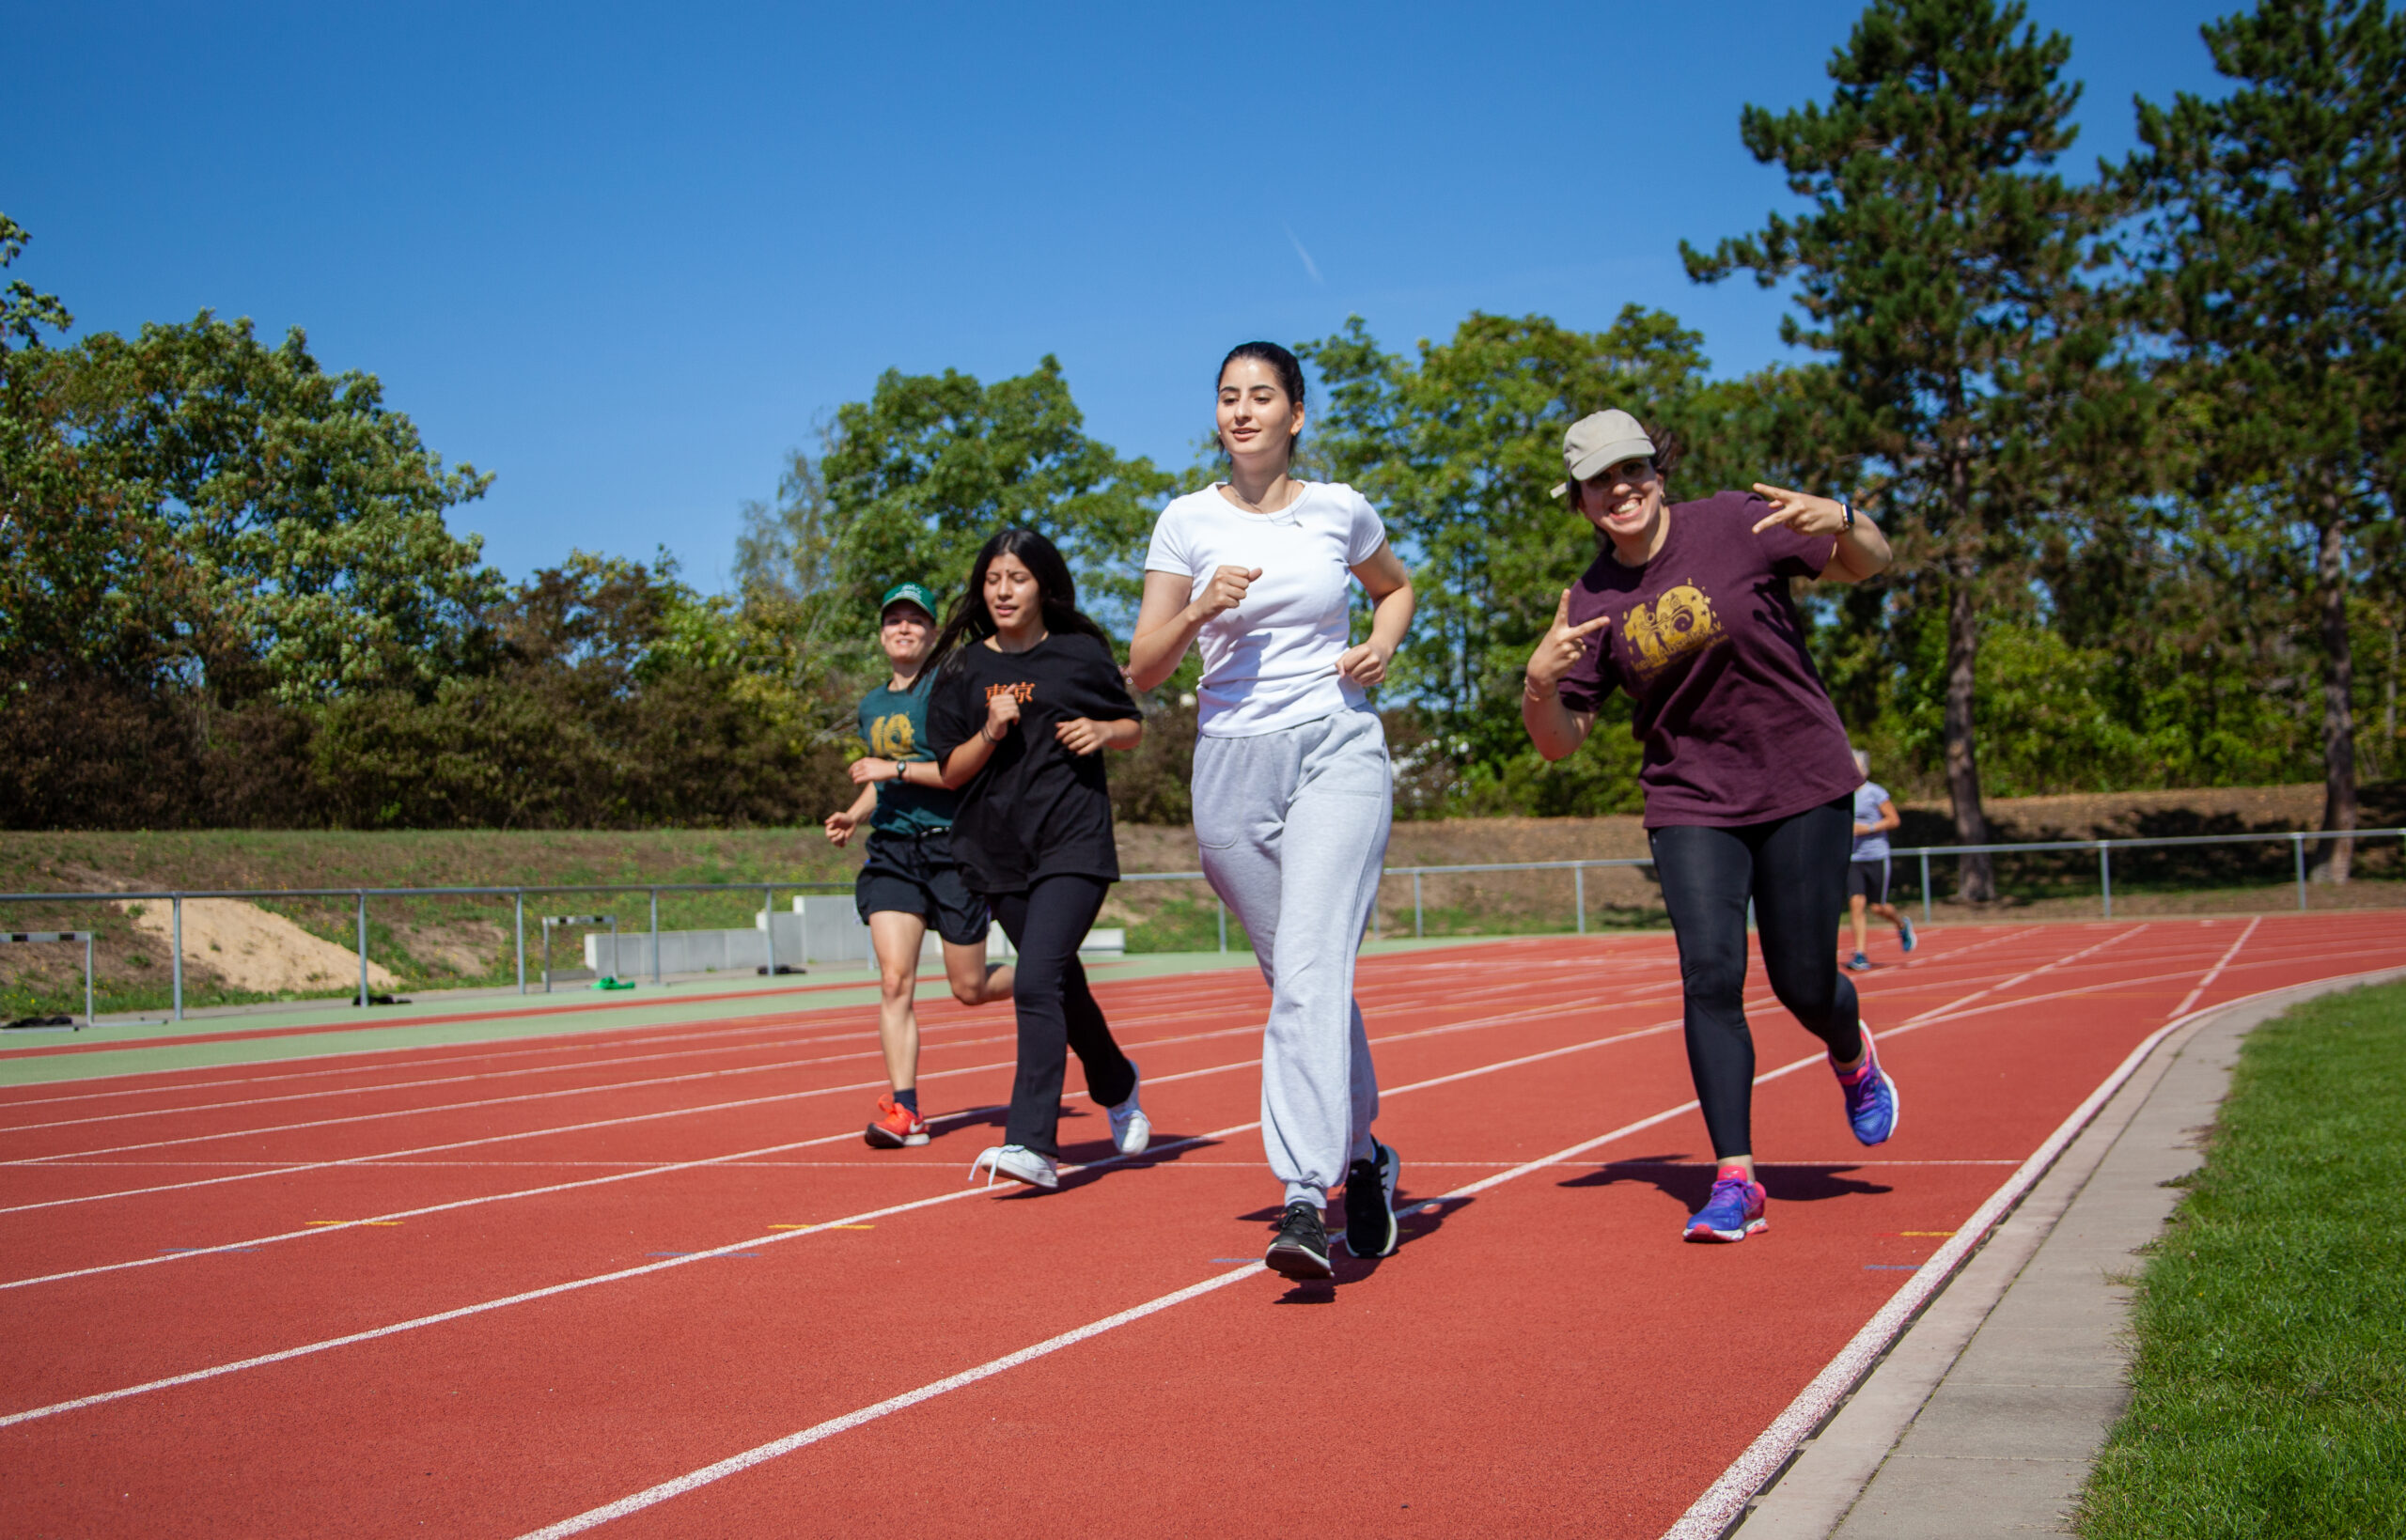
841, 825
1384, 578
1085, 735
1861, 552
1555, 728
961, 765
1173, 615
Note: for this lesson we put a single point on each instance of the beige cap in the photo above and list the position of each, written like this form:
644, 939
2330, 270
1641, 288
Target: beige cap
1599, 441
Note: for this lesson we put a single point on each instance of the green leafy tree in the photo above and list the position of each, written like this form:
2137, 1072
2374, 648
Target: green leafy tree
918, 476
1939, 267
306, 516
2271, 255
1459, 447
82, 582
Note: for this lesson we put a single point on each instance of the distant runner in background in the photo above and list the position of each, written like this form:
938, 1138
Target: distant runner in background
1866, 872
1746, 771
910, 882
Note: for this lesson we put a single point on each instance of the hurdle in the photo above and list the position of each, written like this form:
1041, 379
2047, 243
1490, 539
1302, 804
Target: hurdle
27, 937
551, 920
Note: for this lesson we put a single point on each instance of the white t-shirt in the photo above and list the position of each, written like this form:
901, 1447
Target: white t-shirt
1271, 663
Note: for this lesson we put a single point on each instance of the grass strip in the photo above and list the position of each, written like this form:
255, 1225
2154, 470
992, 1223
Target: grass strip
2271, 1370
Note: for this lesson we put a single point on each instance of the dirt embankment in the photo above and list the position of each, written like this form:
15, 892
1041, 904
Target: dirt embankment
252, 949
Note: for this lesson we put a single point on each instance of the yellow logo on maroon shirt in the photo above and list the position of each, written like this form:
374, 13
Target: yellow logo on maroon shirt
1679, 623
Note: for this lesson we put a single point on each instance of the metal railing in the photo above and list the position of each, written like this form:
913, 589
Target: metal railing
2296, 839
360, 896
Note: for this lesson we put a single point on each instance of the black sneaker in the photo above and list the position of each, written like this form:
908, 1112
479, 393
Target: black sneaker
1371, 1227
1300, 1251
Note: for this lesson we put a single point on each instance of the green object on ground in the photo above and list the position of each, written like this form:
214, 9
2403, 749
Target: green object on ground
2271, 1372
606, 982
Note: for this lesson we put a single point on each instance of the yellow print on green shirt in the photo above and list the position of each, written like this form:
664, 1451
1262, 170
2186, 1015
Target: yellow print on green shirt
1680, 622
890, 737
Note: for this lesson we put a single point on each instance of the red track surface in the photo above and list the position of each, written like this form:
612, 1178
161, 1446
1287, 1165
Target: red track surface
1543, 1357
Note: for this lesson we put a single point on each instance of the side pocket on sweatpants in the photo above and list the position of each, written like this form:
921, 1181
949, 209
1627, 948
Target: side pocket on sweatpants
1219, 803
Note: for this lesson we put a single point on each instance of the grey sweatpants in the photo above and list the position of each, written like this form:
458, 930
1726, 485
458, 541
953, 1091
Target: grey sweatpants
1293, 830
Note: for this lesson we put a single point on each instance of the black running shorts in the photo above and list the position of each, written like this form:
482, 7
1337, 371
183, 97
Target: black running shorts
1867, 880
911, 875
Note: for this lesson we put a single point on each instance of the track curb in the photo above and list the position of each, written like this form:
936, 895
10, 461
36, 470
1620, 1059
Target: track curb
1806, 1473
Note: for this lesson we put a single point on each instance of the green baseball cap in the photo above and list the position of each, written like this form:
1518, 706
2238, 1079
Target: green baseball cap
913, 593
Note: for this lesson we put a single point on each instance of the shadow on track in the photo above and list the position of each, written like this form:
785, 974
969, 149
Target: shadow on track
1689, 1181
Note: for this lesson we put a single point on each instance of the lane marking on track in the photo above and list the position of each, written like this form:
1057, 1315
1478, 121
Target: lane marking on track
1136, 1021
622, 1274
358, 1061
1717, 1520
2215, 971
593, 1517
1710, 1516
552, 1187
2018, 978
562, 1068
685, 1165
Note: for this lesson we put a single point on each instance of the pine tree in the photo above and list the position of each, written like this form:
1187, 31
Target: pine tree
1940, 266
2272, 258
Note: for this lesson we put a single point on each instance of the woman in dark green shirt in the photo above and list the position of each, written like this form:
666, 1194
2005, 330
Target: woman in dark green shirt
910, 880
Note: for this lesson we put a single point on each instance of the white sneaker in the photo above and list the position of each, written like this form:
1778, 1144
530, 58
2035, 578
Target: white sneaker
1130, 1129
1018, 1163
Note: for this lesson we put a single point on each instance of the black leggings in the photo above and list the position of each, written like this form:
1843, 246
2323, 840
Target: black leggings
1794, 869
1056, 1011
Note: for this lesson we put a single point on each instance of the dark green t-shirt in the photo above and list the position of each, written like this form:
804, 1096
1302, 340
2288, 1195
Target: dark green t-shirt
893, 724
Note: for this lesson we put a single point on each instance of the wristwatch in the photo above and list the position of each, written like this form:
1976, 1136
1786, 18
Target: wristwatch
1846, 508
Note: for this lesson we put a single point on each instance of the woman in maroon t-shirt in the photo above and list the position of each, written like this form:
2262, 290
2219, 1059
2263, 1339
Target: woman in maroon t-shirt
1747, 774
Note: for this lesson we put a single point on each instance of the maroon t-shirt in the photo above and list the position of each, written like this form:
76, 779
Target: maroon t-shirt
1736, 723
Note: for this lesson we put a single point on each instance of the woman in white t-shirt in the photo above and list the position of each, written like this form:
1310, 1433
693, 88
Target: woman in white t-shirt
1293, 793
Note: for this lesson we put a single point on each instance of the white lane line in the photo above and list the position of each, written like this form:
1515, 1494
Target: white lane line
398, 1214
2048, 968
571, 1066
578, 1039
532, 1095
833, 1426
772, 1238
447, 1107
2215, 971
1132, 1020
678, 1486
947, 1034
2103, 987
156, 1259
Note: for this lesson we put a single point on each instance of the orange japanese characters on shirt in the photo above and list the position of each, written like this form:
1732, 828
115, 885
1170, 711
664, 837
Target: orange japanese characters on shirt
1024, 692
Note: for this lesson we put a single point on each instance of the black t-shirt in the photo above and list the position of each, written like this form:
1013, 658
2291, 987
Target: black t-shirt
1035, 810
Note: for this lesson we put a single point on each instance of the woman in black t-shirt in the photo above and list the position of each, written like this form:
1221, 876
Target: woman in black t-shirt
1026, 693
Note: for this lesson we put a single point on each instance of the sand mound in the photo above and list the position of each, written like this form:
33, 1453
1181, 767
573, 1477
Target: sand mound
252, 949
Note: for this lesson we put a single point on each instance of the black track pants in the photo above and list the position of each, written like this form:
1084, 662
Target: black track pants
1056, 1011
1794, 869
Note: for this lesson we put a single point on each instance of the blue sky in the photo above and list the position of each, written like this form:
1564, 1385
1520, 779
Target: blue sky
625, 258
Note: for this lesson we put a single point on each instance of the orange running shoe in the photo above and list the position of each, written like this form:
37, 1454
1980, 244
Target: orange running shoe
897, 1126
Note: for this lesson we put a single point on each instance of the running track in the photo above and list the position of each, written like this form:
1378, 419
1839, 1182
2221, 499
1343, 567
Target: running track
646, 1280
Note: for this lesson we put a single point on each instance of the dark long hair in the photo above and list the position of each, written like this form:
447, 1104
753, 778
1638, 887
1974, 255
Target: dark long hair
1290, 380
1056, 592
